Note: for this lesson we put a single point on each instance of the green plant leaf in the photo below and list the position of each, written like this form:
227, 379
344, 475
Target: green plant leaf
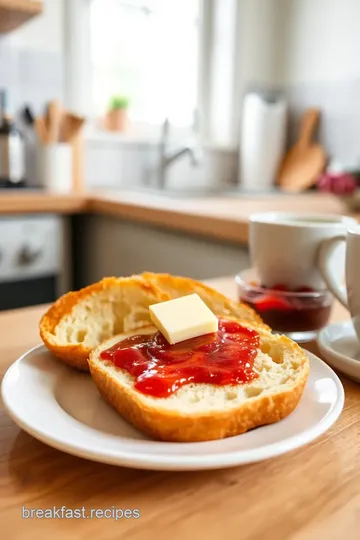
119, 102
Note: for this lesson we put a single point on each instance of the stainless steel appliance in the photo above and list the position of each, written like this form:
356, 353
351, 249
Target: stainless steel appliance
12, 148
34, 265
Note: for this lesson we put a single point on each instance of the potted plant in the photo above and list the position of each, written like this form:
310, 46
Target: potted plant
117, 116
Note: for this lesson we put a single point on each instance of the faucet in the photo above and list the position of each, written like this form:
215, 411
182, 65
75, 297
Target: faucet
192, 149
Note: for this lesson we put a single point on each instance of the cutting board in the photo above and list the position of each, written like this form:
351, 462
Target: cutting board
304, 162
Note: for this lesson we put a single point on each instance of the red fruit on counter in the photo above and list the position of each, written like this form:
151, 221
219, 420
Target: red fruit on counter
337, 183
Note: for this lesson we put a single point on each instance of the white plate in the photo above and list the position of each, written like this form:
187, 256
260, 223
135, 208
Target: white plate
341, 348
62, 408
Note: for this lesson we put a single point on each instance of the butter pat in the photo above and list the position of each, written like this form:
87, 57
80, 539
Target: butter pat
183, 318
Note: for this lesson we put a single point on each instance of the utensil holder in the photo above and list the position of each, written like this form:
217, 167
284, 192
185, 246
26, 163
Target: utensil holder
55, 169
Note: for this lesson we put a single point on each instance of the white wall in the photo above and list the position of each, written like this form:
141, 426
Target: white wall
259, 42
45, 32
321, 40
309, 49
299, 41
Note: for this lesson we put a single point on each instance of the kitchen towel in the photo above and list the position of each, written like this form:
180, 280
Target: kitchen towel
262, 140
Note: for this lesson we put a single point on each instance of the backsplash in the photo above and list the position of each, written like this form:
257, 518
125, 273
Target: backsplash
339, 129
35, 77
31, 77
131, 165
339, 132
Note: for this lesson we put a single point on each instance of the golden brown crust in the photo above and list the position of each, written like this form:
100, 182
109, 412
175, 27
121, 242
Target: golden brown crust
176, 286
76, 355
173, 426
159, 286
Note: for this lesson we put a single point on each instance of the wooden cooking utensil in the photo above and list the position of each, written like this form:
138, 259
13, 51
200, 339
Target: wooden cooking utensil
53, 117
78, 148
72, 133
305, 160
41, 129
71, 124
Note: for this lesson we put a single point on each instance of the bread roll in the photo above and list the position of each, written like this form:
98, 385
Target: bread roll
204, 412
79, 321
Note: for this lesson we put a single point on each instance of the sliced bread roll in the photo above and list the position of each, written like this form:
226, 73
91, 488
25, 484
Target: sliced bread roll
79, 321
204, 412
219, 304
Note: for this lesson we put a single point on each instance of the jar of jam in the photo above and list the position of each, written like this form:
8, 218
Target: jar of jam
298, 314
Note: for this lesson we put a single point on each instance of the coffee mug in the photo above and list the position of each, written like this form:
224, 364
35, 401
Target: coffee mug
284, 248
349, 296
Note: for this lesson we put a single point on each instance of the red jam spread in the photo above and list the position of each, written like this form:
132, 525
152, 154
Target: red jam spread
224, 357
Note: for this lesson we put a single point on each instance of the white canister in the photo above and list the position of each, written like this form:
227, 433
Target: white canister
55, 167
262, 141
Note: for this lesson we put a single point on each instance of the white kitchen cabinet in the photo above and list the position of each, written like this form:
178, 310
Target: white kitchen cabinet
108, 246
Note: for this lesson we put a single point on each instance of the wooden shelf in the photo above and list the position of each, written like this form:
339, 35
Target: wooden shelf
14, 13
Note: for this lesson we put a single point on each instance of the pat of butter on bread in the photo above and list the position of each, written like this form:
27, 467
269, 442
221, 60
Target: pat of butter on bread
183, 318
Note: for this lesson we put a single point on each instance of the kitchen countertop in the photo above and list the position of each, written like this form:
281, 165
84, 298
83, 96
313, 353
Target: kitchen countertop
223, 218
32, 202
309, 494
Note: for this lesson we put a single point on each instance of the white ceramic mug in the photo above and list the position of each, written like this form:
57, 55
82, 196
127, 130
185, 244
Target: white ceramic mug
284, 247
349, 296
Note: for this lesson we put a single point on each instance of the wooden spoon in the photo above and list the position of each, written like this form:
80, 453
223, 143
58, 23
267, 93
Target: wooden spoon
41, 130
70, 126
53, 117
304, 162
72, 133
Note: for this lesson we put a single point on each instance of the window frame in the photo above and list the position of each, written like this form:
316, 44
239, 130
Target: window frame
77, 80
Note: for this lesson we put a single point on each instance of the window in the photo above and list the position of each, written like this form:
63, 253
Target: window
147, 50
171, 58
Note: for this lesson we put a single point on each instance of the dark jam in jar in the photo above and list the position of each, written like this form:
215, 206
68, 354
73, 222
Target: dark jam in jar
159, 369
300, 311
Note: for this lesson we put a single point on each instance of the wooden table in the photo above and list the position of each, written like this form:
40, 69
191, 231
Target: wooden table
311, 493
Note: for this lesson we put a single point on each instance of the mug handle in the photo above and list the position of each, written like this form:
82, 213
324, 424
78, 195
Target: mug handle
325, 252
